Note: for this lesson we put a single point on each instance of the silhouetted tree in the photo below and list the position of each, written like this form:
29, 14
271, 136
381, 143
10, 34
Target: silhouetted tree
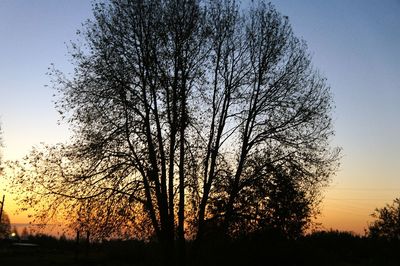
5, 226
290, 205
181, 110
387, 221
280, 200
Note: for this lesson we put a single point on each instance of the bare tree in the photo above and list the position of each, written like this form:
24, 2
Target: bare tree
183, 112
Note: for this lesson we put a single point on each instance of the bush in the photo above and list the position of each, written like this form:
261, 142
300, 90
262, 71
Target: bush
387, 223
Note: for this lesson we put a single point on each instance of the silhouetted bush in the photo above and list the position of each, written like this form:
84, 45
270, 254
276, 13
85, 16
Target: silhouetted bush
387, 222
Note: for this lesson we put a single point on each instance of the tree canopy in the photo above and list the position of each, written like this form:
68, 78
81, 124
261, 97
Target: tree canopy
187, 115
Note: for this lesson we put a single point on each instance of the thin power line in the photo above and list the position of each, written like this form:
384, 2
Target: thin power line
351, 199
365, 189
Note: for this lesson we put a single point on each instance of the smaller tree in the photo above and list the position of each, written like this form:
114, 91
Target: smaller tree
289, 207
5, 226
387, 223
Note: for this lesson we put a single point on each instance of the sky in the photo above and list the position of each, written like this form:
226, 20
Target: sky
355, 44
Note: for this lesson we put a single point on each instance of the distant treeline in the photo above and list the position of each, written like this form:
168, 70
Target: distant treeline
53, 230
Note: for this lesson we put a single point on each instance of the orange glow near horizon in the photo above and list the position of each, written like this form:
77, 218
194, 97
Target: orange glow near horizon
346, 206
344, 209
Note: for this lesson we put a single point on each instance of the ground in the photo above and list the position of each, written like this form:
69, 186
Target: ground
329, 248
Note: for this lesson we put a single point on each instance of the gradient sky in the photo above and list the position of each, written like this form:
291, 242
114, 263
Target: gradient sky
354, 43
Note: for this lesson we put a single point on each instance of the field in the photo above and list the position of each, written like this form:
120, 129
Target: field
327, 248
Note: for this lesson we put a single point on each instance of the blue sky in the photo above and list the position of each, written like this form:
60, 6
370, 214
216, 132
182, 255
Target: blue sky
34, 34
354, 43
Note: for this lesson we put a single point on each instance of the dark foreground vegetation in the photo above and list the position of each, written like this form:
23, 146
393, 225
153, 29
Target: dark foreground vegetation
322, 248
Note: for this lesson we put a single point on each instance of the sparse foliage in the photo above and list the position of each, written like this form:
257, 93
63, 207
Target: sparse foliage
186, 112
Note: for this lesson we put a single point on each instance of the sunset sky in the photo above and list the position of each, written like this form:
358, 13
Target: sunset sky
354, 43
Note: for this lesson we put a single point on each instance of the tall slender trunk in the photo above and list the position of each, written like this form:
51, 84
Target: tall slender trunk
212, 170
172, 117
181, 212
210, 146
246, 146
